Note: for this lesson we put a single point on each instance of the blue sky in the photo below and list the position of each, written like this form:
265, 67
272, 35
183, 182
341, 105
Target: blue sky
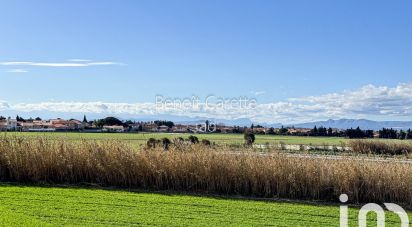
139, 49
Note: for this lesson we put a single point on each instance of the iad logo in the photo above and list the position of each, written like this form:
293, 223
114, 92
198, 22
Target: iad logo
207, 127
372, 207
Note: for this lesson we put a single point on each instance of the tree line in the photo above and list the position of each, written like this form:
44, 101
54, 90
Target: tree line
351, 133
386, 133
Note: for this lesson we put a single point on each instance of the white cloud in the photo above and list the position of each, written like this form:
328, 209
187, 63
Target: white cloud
258, 93
4, 105
70, 63
366, 102
17, 71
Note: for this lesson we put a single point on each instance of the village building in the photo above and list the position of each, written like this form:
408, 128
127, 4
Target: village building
163, 128
36, 126
179, 128
150, 127
259, 130
113, 128
65, 125
8, 125
298, 130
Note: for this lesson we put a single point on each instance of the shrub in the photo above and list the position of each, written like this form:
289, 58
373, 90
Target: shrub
166, 142
151, 142
206, 142
193, 139
249, 137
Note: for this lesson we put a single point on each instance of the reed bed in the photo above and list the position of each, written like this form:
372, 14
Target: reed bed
205, 169
381, 147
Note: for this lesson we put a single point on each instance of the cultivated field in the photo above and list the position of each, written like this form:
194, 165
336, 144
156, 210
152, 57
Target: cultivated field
43, 206
141, 138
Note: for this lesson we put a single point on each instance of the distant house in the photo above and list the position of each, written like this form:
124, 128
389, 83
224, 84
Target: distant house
259, 130
36, 126
8, 125
224, 129
114, 128
150, 127
298, 130
58, 121
61, 124
180, 128
163, 128
60, 127
136, 127
75, 124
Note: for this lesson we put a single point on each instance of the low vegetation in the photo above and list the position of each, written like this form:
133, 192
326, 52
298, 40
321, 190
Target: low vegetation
200, 168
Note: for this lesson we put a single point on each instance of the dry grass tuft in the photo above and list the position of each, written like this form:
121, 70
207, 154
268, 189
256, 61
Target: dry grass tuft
200, 168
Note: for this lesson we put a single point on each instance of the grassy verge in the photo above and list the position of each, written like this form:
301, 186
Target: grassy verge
42, 206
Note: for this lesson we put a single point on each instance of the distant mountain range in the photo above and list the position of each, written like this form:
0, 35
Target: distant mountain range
339, 124
362, 123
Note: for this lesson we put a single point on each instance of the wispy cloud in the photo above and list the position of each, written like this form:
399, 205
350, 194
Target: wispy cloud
7, 63
79, 60
69, 63
258, 93
104, 63
17, 71
370, 101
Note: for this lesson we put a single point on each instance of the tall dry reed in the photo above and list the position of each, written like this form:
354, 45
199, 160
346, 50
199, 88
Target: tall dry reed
381, 147
203, 169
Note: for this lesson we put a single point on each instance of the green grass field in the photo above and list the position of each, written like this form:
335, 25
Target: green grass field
141, 138
43, 206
